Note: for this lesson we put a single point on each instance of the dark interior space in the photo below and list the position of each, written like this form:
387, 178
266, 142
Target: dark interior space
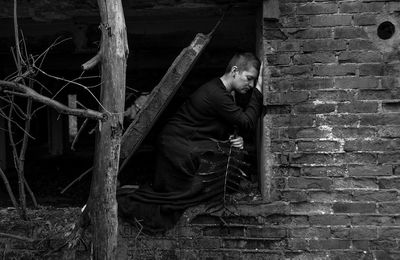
156, 35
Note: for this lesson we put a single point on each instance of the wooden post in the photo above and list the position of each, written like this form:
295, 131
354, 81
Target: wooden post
102, 203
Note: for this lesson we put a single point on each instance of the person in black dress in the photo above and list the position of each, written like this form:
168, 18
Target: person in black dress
209, 114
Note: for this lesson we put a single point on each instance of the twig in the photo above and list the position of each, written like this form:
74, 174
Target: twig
77, 179
9, 190
52, 103
92, 62
78, 134
27, 239
28, 188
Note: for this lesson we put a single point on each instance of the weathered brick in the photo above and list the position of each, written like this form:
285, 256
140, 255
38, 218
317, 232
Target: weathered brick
266, 232
389, 183
309, 183
278, 109
292, 120
307, 132
391, 107
309, 33
223, 231
320, 171
329, 244
359, 7
374, 220
392, 68
378, 94
355, 183
311, 208
388, 158
372, 69
317, 8
392, 7
324, 196
309, 232
370, 170
365, 19
358, 107
375, 195
372, 145
282, 146
297, 243
330, 20
253, 243
359, 57
332, 95
360, 158
389, 232
287, 97
389, 207
329, 220
312, 146
353, 132
315, 158
296, 70
363, 233
354, 207
280, 85
311, 58
380, 119
350, 33
283, 46
278, 59
294, 196
324, 45
374, 244
314, 108
350, 255
389, 132
360, 44
274, 34
297, 21
313, 84
335, 70
356, 83
337, 120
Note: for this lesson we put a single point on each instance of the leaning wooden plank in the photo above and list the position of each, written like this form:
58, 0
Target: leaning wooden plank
161, 95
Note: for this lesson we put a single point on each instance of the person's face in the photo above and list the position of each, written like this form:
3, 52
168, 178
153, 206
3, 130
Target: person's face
244, 80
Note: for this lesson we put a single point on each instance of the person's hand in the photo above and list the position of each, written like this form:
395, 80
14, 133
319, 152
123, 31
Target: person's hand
236, 141
260, 79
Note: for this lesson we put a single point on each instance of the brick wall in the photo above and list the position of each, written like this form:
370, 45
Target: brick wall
333, 119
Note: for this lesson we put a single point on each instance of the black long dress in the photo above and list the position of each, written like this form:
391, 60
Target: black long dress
210, 113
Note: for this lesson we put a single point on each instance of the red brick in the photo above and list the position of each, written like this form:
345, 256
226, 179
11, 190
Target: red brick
393, 157
358, 107
392, 68
374, 244
223, 231
314, 158
278, 59
307, 132
330, 20
293, 196
374, 220
297, 21
317, 8
353, 207
287, 46
335, 70
297, 244
311, 58
310, 208
359, 57
287, 97
370, 170
372, 145
280, 85
356, 83
324, 196
309, 183
282, 146
313, 84
350, 33
372, 70
363, 233
391, 107
253, 243
324, 45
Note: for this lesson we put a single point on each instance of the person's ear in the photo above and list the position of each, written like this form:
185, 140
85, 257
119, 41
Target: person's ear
234, 70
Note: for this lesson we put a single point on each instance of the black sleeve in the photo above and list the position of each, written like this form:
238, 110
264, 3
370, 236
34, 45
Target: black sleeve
227, 110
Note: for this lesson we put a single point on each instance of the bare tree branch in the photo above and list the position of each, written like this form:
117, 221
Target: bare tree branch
92, 62
88, 113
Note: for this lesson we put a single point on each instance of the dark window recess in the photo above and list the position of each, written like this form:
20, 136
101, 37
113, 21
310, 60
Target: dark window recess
386, 30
